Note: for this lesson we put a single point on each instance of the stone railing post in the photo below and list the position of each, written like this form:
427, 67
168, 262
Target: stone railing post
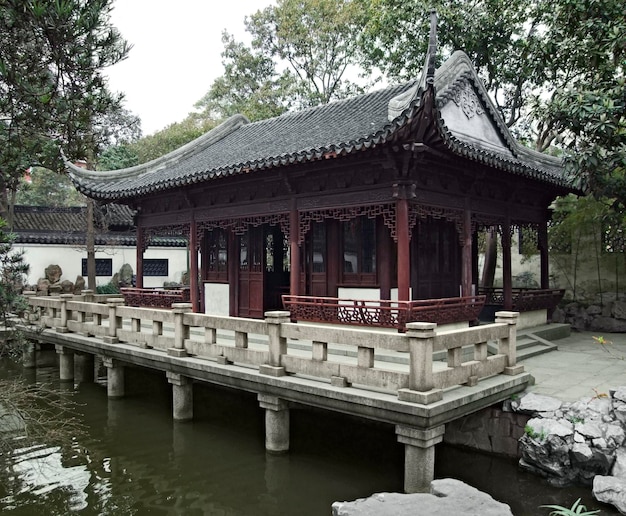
277, 344
30, 314
181, 330
87, 295
421, 337
115, 322
62, 328
508, 345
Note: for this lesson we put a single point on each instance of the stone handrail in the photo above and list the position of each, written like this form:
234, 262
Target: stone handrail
262, 344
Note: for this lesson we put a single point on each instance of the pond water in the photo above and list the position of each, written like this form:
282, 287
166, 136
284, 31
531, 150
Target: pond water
134, 460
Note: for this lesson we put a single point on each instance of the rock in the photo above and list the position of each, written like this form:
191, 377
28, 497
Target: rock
594, 310
618, 310
538, 403
619, 466
610, 490
126, 276
608, 324
79, 285
620, 394
115, 280
549, 426
53, 273
67, 287
43, 285
589, 430
448, 496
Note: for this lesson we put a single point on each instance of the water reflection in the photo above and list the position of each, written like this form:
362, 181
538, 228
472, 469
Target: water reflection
135, 460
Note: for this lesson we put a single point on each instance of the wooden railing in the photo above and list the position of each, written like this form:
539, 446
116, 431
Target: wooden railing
263, 344
154, 297
383, 313
525, 299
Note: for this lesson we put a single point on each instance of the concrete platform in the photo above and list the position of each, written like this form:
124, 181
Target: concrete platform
580, 367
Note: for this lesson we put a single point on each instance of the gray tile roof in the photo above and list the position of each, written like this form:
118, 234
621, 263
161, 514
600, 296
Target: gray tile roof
66, 226
341, 127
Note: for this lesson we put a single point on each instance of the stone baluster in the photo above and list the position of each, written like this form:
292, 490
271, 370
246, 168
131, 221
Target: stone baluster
115, 322
277, 343
508, 345
421, 389
63, 313
181, 330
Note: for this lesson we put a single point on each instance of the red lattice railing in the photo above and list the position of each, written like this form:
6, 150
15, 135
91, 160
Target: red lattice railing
153, 297
525, 299
383, 313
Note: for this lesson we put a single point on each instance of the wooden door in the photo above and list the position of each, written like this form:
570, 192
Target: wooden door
316, 261
437, 267
251, 273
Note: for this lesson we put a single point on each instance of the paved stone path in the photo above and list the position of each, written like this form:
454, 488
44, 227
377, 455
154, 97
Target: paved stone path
581, 367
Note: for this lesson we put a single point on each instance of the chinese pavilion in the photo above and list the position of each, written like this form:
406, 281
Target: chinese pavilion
379, 196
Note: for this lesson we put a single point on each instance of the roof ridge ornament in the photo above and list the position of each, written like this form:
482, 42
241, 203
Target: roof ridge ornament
400, 103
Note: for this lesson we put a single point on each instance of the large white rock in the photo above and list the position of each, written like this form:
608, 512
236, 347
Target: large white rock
448, 496
538, 403
610, 490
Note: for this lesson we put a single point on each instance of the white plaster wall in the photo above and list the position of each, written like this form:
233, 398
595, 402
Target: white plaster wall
216, 296
69, 258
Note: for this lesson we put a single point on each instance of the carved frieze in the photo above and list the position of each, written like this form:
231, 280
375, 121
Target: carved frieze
464, 96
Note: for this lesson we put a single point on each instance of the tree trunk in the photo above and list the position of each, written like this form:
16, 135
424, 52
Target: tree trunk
491, 259
90, 238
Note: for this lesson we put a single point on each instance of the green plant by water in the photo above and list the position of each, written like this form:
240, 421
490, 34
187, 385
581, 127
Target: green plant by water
577, 509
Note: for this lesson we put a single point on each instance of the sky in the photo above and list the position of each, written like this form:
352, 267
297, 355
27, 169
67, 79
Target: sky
175, 55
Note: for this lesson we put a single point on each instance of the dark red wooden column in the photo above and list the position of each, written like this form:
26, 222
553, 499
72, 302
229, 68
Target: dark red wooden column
193, 266
507, 280
466, 256
401, 193
542, 238
294, 249
140, 249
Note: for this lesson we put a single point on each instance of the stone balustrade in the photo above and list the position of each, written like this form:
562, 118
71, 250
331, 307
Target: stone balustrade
368, 358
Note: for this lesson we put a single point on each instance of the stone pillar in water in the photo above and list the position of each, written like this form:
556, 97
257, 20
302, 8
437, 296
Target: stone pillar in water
419, 456
115, 377
83, 367
66, 363
276, 423
182, 396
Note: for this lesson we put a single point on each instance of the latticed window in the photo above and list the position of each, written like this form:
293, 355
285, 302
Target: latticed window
217, 255
359, 251
104, 267
156, 267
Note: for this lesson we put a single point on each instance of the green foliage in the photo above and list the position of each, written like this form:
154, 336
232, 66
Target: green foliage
530, 432
47, 188
52, 90
577, 509
170, 138
586, 234
300, 54
13, 270
117, 157
107, 288
250, 85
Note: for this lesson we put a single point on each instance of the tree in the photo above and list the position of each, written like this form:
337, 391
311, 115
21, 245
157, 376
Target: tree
250, 85
48, 188
13, 270
52, 92
171, 138
301, 54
